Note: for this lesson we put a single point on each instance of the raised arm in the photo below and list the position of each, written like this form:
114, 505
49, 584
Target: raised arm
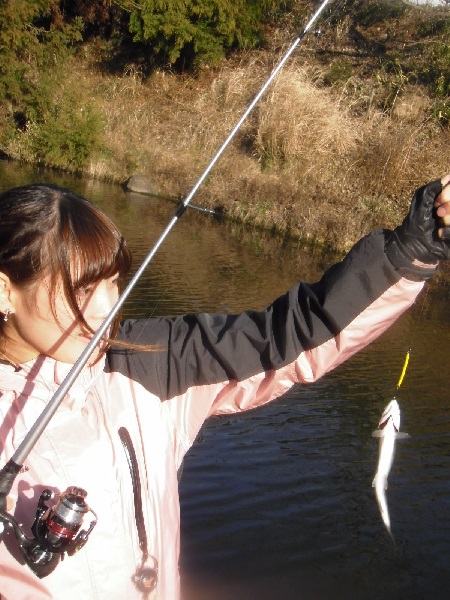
307, 331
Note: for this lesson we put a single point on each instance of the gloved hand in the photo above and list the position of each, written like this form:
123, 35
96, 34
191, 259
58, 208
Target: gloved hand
416, 240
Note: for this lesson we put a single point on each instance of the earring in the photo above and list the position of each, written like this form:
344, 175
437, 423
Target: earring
8, 311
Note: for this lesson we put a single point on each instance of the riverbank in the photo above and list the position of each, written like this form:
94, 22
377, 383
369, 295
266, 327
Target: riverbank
334, 148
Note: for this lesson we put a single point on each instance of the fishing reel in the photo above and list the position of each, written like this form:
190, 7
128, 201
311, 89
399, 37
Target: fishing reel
56, 529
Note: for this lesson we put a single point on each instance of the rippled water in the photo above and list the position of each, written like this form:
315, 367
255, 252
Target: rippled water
277, 503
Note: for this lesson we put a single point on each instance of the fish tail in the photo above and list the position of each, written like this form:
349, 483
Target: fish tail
382, 502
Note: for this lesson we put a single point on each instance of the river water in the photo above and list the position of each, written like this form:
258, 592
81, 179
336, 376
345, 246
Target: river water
277, 503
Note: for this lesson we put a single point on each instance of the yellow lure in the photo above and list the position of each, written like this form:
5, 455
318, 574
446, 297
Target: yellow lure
405, 366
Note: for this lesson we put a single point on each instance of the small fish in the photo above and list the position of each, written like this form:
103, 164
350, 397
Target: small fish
388, 431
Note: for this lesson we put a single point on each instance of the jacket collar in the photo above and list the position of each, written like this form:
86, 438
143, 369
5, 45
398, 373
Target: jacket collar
41, 377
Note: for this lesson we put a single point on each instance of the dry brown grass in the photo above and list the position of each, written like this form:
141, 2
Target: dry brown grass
303, 163
298, 121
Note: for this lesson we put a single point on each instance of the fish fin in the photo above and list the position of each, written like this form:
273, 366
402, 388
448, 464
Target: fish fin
378, 433
399, 435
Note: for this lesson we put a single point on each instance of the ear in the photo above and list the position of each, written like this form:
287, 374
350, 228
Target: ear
6, 294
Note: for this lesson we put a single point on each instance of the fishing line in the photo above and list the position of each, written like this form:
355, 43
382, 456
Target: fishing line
407, 357
408, 353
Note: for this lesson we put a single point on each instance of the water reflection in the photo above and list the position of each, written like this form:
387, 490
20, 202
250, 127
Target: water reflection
277, 503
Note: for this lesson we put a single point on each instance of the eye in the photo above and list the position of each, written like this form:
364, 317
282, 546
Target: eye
84, 292
114, 281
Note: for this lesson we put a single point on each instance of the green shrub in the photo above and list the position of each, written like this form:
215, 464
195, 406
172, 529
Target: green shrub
189, 32
441, 110
340, 71
438, 69
68, 136
44, 118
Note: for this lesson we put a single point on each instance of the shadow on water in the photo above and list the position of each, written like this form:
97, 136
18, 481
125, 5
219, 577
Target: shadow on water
278, 503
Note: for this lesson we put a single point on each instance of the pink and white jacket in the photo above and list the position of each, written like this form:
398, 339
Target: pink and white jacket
205, 365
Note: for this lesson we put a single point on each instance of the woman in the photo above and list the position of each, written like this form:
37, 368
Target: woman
128, 420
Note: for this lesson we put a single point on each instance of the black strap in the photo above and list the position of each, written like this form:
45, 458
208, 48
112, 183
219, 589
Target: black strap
134, 472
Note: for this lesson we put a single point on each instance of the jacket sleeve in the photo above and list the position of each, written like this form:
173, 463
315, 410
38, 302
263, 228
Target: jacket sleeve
314, 326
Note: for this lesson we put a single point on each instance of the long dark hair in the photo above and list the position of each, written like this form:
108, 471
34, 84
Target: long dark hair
51, 231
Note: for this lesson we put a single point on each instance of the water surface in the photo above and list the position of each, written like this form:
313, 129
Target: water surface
277, 503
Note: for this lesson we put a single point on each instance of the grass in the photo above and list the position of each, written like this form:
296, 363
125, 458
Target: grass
304, 163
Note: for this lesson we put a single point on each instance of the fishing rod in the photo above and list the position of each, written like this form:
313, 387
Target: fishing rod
63, 533
215, 212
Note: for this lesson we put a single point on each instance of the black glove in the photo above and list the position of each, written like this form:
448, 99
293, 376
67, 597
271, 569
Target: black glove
416, 239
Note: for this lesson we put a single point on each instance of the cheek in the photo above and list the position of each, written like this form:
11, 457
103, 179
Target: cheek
57, 312
37, 328
62, 317
39, 316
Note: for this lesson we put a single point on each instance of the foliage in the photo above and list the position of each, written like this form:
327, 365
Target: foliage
197, 31
379, 11
340, 71
101, 17
435, 70
68, 135
18, 42
404, 46
40, 116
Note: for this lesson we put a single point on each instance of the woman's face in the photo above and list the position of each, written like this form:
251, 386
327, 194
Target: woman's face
40, 326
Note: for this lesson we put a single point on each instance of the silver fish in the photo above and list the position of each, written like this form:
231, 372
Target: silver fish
388, 432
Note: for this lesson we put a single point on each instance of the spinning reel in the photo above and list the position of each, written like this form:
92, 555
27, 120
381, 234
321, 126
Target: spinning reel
56, 529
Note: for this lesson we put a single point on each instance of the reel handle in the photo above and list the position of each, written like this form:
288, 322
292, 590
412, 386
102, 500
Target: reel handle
56, 529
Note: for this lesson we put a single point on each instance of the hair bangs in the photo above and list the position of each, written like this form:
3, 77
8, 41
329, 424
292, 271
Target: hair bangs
99, 252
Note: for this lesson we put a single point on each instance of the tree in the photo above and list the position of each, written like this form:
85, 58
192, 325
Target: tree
38, 106
193, 31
